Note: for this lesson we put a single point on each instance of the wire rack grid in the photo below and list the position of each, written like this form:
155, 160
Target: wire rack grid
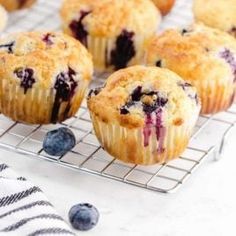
88, 156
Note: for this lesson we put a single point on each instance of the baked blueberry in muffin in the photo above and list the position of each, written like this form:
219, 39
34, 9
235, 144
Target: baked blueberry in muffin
114, 31
49, 89
148, 111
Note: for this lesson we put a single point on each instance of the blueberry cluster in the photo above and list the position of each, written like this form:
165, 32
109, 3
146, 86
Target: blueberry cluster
136, 97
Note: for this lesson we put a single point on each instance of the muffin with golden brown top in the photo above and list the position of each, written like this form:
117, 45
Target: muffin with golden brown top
164, 5
219, 14
203, 56
114, 31
43, 76
144, 115
12, 5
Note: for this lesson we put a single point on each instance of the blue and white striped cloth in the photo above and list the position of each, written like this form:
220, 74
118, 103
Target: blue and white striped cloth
24, 209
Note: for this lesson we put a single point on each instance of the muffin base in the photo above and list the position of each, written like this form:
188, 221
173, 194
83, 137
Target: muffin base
215, 97
35, 107
101, 47
128, 144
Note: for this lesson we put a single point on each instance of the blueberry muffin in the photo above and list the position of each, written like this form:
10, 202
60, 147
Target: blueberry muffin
219, 14
144, 115
12, 5
3, 17
164, 5
114, 31
204, 57
43, 76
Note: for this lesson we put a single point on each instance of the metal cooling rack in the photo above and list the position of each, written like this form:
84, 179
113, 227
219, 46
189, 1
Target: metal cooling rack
210, 135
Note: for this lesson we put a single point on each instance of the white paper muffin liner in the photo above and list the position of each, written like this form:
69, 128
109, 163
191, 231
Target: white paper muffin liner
215, 96
101, 47
36, 105
128, 144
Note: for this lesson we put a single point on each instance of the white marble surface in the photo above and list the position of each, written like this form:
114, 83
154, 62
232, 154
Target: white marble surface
205, 205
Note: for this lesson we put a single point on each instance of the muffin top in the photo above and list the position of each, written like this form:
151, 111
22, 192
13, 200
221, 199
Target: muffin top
39, 59
198, 53
132, 94
108, 18
217, 13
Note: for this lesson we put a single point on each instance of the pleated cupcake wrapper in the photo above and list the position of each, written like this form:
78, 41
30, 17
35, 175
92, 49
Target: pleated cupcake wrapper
215, 97
36, 105
101, 47
128, 144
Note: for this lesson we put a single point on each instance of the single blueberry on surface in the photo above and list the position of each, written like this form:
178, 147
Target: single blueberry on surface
8, 46
58, 142
26, 75
124, 50
78, 29
83, 216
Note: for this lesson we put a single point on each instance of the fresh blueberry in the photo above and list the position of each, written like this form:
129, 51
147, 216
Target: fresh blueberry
83, 216
58, 142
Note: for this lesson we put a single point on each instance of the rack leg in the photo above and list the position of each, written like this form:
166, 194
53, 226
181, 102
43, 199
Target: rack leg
220, 150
